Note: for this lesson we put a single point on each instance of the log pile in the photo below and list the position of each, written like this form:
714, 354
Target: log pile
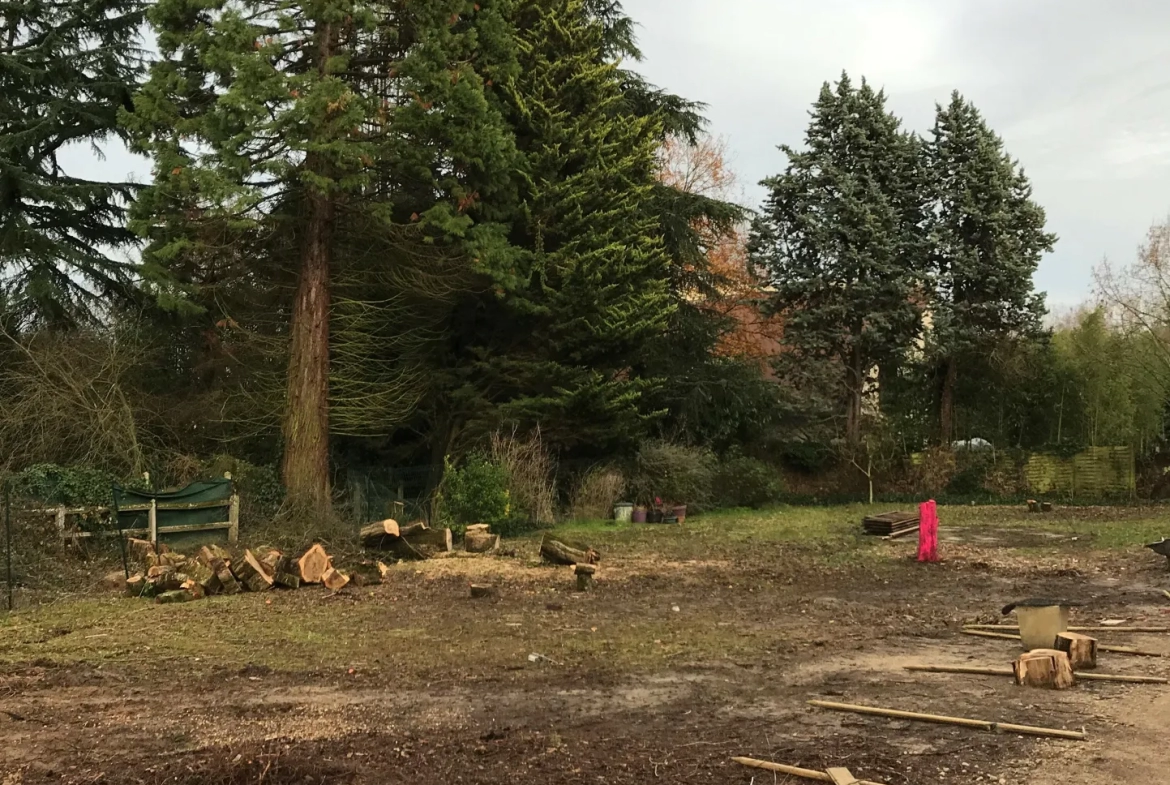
168, 576
174, 577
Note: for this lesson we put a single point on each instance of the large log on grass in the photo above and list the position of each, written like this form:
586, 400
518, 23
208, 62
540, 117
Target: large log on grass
312, 565
430, 541
365, 573
412, 528
1044, 668
381, 535
557, 552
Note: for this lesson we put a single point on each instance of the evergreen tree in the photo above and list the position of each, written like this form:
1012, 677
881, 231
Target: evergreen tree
66, 69
303, 121
988, 237
842, 234
590, 290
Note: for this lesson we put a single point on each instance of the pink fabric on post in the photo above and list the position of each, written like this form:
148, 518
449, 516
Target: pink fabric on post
927, 532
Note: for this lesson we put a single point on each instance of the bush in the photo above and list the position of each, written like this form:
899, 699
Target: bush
477, 492
746, 482
71, 486
595, 494
529, 474
674, 473
809, 457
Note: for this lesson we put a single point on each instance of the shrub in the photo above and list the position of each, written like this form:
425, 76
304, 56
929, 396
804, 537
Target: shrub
674, 473
809, 457
71, 486
477, 492
529, 475
741, 481
596, 492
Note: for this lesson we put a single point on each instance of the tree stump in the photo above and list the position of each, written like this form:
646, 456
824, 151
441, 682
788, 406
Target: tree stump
1047, 668
381, 535
312, 565
479, 590
1081, 650
136, 585
480, 541
584, 573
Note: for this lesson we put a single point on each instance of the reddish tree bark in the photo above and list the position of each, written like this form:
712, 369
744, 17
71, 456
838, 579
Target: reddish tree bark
305, 468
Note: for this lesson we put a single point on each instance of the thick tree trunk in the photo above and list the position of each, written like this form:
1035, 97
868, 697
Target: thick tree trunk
946, 404
306, 422
305, 468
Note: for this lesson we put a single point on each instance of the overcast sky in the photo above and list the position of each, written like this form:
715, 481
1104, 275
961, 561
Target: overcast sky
1078, 89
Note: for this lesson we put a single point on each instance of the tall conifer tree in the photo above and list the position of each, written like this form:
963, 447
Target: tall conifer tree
842, 233
303, 119
66, 69
988, 238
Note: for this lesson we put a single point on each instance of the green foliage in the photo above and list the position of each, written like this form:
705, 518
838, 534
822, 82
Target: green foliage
741, 481
477, 492
589, 288
71, 486
987, 238
66, 70
674, 473
842, 234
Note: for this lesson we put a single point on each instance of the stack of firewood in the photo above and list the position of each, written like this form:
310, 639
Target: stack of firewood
168, 576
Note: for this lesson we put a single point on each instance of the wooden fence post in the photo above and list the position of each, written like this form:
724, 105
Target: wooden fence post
234, 518
61, 521
153, 518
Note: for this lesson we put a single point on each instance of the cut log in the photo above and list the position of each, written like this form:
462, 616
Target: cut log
163, 578
404, 551
251, 573
270, 558
1047, 668
412, 528
365, 573
430, 541
204, 576
482, 590
227, 580
841, 776
209, 554
1081, 649
192, 587
381, 535
313, 564
178, 595
137, 586
286, 580
480, 542
176, 560
478, 528
558, 552
140, 549
334, 580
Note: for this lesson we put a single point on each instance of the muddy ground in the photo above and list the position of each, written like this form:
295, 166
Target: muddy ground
698, 644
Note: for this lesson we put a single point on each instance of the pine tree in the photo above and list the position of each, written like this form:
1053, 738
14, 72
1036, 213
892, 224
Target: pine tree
842, 235
591, 287
66, 69
301, 122
988, 237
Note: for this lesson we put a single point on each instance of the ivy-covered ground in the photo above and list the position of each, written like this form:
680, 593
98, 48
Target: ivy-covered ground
700, 642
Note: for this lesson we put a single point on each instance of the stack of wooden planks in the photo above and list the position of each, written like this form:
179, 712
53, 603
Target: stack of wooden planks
890, 524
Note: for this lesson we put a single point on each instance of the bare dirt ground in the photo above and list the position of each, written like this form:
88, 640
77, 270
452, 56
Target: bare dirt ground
699, 643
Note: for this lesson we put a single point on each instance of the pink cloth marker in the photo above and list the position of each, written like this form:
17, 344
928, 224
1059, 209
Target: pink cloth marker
927, 532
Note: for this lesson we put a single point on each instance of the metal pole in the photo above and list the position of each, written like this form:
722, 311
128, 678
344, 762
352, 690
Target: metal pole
8, 538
